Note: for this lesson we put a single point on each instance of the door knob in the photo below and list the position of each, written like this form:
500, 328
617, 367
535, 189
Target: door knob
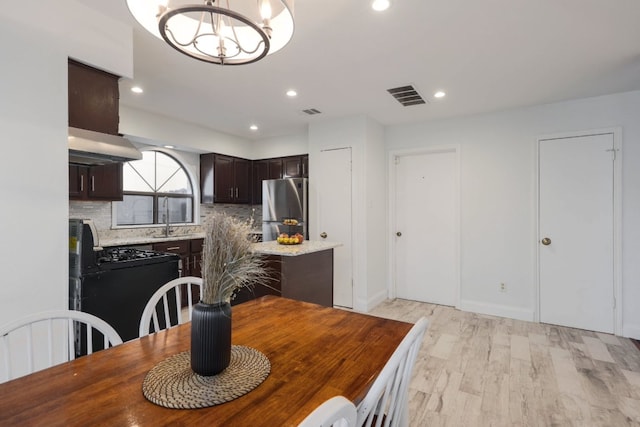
323, 235
546, 241
398, 234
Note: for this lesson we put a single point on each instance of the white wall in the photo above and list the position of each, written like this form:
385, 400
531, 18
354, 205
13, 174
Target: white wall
288, 145
34, 174
374, 209
498, 170
83, 33
160, 130
364, 136
34, 45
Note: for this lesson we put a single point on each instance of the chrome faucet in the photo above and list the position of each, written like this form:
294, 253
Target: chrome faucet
166, 216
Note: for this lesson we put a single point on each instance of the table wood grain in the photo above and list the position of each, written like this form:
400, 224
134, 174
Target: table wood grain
315, 353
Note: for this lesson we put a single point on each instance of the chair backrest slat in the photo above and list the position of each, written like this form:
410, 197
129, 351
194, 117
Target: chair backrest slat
178, 299
62, 337
386, 400
190, 301
165, 305
150, 313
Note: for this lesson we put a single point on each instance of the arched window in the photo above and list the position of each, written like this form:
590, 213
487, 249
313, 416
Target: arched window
155, 186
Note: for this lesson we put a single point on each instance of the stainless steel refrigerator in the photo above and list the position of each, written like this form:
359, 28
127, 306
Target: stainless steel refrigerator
284, 207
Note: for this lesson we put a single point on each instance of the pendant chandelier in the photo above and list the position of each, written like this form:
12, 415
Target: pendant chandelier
225, 32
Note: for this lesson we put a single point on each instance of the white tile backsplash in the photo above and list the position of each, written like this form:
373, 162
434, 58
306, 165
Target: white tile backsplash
100, 213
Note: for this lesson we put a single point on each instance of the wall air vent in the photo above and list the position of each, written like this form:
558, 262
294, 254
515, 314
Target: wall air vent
406, 95
311, 111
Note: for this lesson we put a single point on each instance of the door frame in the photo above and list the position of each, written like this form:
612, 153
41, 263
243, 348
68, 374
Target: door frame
617, 219
391, 213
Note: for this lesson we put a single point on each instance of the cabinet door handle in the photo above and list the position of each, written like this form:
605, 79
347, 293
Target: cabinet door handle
93, 183
173, 248
298, 167
236, 192
188, 268
81, 183
231, 192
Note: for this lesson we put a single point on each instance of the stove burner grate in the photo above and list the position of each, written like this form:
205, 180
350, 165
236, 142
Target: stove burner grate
125, 254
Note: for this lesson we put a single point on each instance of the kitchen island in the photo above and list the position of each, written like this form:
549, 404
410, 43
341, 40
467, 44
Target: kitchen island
302, 272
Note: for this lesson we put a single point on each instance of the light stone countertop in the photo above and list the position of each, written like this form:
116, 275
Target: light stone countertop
306, 247
144, 240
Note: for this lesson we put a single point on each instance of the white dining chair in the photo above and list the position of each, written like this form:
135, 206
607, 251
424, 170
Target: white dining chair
49, 335
335, 412
386, 401
171, 295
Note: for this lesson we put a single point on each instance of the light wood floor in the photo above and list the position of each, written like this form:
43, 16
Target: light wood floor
476, 370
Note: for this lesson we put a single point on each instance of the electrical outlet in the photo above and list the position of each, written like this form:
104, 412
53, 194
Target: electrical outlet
503, 287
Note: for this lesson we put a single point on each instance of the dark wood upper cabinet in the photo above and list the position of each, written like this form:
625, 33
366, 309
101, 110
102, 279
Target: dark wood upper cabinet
93, 99
228, 179
95, 182
105, 182
291, 167
305, 166
260, 173
78, 177
242, 180
295, 166
224, 179
94, 105
275, 168
264, 169
206, 178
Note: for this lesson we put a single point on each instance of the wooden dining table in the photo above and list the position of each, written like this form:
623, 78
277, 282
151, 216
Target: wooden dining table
315, 353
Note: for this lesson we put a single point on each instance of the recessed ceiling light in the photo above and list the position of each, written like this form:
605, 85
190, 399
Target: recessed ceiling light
136, 89
169, 146
439, 94
291, 93
380, 5
253, 127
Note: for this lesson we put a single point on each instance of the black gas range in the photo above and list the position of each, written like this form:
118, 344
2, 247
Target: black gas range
114, 283
126, 257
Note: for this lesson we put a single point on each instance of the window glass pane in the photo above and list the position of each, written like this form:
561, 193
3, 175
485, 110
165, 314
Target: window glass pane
132, 181
157, 174
180, 209
171, 177
178, 183
134, 210
141, 171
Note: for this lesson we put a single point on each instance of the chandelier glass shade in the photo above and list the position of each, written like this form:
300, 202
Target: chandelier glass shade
226, 32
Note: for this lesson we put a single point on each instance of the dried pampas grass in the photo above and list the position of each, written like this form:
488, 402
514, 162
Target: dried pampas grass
228, 263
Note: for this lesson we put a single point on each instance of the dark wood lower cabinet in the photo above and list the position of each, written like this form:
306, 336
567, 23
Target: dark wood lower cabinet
272, 288
190, 252
307, 277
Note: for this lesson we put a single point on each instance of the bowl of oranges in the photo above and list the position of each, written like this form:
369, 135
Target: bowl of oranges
285, 239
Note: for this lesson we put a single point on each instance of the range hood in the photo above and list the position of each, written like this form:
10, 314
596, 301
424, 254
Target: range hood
94, 148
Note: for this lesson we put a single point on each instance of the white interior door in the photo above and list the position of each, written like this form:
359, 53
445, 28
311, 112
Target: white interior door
334, 218
426, 194
576, 232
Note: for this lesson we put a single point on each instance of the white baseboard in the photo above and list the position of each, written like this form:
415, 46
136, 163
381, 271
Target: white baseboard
370, 303
631, 331
497, 310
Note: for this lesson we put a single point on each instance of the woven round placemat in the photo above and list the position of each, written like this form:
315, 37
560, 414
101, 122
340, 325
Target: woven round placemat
172, 383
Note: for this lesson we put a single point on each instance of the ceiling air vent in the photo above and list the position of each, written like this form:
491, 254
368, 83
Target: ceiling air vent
311, 111
406, 95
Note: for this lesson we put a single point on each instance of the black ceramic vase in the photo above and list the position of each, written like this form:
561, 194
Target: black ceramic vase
210, 338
